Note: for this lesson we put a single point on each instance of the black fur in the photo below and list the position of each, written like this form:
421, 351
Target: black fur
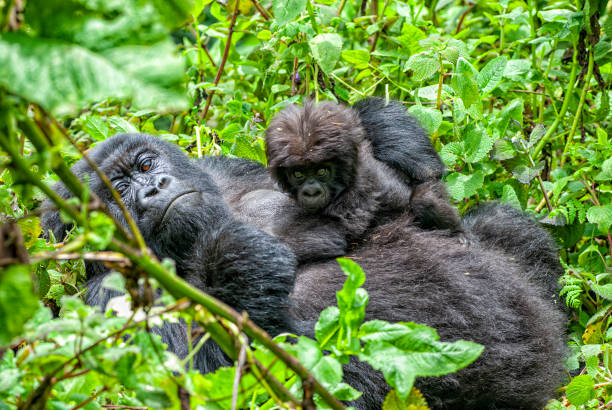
179, 210
502, 227
476, 293
362, 191
398, 140
469, 293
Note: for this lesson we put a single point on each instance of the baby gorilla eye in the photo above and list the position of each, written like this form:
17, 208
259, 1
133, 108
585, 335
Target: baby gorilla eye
298, 174
322, 172
145, 165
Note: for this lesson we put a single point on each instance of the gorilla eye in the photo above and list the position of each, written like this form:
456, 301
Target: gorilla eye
145, 165
322, 172
298, 174
121, 188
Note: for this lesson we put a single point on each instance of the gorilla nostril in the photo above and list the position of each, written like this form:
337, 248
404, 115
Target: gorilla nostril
312, 192
164, 181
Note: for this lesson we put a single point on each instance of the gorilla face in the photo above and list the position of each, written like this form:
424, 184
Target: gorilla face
171, 200
314, 186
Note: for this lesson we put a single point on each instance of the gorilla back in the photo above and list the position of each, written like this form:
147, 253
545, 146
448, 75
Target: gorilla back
464, 293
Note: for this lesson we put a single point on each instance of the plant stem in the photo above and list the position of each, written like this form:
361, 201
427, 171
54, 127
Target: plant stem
566, 100
313, 20
578, 114
228, 43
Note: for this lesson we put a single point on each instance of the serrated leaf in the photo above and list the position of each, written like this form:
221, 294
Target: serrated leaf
422, 67
580, 390
477, 144
464, 83
96, 127
536, 134
525, 174
287, 10
491, 74
121, 125
63, 78
462, 186
450, 152
352, 301
414, 401
359, 58
429, 118
502, 150
326, 50
606, 171
605, 291
601, 215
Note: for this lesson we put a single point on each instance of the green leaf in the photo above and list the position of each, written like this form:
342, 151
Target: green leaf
352, 301
606, 171
503, 149
63, 78
509, 196
422, 66
287, 10
536, 134
326, 328
462, 186
429, 118
601, 215
414, 401
359, 58
525, 174
18, 302
404, 351
464, 84
605, 291
580, 390
97, 128
491, 74
326, 50
450, 152
477, 143
152, 397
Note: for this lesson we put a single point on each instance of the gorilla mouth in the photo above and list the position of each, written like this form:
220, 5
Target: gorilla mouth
173, 201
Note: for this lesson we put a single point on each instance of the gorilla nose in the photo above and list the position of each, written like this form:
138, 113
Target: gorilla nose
148, 193
312, 191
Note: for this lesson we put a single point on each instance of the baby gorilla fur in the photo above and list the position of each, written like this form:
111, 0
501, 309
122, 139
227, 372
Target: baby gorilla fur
322, 157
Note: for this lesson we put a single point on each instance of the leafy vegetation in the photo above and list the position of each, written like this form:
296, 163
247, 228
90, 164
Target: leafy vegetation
516, 97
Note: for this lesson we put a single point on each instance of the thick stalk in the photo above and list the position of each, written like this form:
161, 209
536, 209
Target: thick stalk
585, 88
566, 100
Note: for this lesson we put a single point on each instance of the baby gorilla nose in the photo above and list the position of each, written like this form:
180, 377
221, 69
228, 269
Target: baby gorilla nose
312, 191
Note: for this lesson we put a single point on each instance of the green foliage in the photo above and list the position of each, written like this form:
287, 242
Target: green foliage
516, 96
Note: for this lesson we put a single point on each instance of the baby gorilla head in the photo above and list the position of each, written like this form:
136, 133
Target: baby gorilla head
312, 152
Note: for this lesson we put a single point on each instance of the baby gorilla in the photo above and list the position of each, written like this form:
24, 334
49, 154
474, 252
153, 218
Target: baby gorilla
322, 157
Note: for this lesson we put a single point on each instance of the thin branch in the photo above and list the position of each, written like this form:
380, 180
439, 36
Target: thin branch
223, 59
261, 10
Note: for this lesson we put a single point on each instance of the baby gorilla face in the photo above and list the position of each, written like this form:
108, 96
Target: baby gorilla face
314, 185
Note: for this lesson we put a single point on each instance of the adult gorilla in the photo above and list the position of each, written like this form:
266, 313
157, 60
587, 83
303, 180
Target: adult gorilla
413, 275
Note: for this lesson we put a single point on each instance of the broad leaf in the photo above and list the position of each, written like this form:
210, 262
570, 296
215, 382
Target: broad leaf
462, 186
580, 390
326, 50
63, 78
491, 74
287, 10
429, 118
422, 66
404, 351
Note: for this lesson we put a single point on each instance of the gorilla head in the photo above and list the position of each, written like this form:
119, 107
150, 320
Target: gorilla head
181, 215
313, 152
322, 156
